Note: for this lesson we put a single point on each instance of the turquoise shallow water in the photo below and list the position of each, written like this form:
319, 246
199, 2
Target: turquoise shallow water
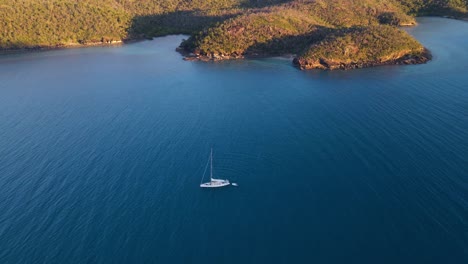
102, 151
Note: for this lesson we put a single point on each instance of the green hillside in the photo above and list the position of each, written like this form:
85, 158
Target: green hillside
327, 34
219, 29
58, 22
363, 47
32, 23
288, 28
456, 8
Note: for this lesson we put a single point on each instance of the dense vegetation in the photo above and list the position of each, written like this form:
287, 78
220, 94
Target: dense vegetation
361, 47
33, 23
455, 8
327, 34
48, 23
220, 28
289, 28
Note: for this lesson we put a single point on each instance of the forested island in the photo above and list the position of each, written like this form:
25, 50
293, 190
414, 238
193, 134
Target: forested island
322, 34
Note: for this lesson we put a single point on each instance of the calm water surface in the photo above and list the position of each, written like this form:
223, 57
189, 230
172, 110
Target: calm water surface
102, 151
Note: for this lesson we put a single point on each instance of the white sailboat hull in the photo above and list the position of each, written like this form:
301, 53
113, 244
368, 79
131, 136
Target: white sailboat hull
215, 183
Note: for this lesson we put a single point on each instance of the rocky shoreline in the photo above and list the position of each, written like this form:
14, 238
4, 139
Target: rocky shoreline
63, 46
324, 64
195, 56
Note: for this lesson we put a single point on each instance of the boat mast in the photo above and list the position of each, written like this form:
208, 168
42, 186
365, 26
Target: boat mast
211, 164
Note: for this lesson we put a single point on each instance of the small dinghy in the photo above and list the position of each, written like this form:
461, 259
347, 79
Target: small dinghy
213, 183
234, 184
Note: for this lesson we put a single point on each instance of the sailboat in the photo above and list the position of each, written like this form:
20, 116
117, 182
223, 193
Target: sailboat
213, 183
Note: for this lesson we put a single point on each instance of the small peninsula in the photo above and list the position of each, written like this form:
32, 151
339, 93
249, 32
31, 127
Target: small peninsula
363, 47
322, 34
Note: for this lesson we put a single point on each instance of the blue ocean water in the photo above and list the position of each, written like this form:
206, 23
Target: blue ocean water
102, 151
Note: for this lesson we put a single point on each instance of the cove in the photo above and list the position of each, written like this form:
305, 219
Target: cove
102, 151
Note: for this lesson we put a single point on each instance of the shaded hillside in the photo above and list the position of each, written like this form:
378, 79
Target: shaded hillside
290, 27
236, 36
49, 23
178, 22
456, 8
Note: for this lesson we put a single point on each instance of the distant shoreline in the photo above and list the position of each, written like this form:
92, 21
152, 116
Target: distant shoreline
187, 55
297, 62
33, 49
